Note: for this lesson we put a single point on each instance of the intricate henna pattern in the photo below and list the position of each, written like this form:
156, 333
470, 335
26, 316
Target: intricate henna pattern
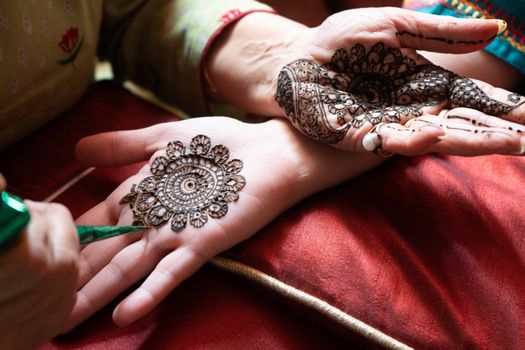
380, 85
445, 40
187, 185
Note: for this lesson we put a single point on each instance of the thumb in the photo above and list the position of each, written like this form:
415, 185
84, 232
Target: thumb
422, 31
119, 147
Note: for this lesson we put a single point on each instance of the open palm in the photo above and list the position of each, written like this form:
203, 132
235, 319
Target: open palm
280, 167
360, 69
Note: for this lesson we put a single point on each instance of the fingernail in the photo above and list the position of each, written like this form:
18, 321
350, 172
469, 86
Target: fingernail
502, 25
440, 138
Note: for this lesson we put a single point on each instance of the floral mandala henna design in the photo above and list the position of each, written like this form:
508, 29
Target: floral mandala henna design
325, 100
187, 185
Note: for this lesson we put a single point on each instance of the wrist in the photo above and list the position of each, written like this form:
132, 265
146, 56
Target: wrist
244, 62
311, 166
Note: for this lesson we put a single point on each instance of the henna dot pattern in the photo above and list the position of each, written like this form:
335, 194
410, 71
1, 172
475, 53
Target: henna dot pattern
187, 185
359, 87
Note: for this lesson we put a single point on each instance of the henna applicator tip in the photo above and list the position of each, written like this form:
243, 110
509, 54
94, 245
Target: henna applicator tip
89, 234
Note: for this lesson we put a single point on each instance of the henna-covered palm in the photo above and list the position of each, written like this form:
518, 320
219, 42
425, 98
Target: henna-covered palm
339, 101
199, 199
361, 69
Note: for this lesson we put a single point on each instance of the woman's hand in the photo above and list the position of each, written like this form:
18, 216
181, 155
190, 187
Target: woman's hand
280, 167
38, 276
2, 183
359, 69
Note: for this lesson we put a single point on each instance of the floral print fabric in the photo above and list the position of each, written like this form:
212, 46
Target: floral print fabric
48, 50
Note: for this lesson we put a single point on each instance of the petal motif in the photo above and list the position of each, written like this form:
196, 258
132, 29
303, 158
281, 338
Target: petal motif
235, 182
178, 223
198, 219
234, 166
200, 144
216, 210
230, 196
158, 166
148, 184
175, 149
145, 200
220, 154
158, 215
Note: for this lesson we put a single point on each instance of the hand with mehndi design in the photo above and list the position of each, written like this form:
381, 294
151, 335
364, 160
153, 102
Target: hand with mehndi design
360, 69
279, 168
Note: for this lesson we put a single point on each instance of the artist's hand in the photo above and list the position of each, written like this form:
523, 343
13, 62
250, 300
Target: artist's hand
360, 69
2, 183
280, 167
38, 276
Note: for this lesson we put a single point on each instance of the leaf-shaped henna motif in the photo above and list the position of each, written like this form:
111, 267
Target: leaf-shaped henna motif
189, 185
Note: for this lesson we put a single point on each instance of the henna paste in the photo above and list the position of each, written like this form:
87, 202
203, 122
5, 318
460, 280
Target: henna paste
324, 101
187, 185
445, 40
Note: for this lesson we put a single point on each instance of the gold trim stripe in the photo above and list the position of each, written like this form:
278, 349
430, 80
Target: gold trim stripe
315, 303
68, 185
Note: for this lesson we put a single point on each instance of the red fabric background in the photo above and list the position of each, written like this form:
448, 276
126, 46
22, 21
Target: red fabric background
429, 250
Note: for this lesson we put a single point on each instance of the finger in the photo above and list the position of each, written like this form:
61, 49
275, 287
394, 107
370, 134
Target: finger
121, 147
353, 136
488, 99
169, 273
98, 254
446, 34
61, 231
471, 117
469, 140
126, 268
109, 212
63, 236
398, 139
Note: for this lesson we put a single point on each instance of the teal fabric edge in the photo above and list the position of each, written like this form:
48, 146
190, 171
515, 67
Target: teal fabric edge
499, 47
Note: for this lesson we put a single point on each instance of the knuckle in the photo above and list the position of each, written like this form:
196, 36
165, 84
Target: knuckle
57, 209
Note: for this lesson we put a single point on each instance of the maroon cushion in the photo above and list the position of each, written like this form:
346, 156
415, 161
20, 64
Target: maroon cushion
428, 250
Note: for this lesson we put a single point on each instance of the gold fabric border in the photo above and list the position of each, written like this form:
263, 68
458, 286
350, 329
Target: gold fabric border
292, 293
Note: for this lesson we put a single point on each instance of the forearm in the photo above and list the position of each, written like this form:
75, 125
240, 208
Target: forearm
244, 62
314, 166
